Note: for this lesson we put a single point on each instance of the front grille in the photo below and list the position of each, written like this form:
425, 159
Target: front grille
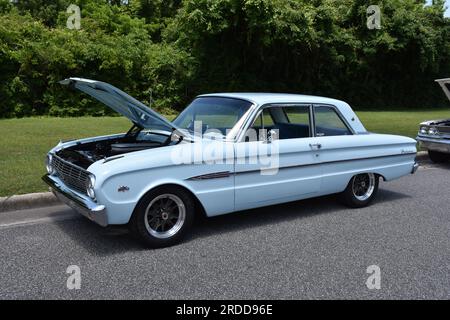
443, 129
73, 176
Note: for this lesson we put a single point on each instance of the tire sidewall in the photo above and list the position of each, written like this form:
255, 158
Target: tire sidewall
438, 157
137, 222
350, 199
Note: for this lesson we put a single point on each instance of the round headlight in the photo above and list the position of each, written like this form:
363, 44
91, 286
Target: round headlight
432, 131
423, 130
48, 164
90, 186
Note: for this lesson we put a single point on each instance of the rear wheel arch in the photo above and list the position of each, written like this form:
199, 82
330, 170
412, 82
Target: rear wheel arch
355, 200
377, 176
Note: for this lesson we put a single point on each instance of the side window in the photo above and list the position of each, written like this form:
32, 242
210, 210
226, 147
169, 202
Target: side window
267, 119
291, 122
328, 122
264, 120
297, 115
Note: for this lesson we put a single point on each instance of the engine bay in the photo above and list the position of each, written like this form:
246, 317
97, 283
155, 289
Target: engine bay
85, 154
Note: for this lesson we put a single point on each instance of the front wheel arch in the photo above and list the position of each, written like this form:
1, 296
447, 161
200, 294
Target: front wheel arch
199, 208
163, 216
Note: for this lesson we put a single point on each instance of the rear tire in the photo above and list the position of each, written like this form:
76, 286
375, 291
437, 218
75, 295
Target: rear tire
360, 191
163, 217
438, 157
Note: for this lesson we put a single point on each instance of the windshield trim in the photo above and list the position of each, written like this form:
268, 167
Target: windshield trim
235, 130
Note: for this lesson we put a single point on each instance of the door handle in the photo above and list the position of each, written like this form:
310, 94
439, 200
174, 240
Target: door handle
315, 146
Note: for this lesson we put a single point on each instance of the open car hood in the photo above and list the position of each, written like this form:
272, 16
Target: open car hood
122, 103
445, 85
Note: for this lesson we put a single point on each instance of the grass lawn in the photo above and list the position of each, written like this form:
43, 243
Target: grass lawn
25, 142
405, 123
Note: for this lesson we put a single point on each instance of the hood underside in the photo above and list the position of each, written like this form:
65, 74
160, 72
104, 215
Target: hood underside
122, 103
445, 85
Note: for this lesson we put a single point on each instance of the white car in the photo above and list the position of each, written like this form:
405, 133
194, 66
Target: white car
434, 135
225, 152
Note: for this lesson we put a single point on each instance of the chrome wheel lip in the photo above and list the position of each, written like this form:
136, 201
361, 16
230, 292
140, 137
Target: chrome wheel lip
368, 186
178, 224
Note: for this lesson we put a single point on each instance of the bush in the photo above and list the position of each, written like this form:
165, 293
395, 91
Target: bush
172, 50
318, 47
116, 49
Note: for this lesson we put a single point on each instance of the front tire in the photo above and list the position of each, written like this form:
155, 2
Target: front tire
438, 157
360, 191
163, 217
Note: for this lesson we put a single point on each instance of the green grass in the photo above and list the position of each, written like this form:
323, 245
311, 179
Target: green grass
405, 123
25, 142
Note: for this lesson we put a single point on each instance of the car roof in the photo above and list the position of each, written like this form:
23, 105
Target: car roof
260, 99
264, 98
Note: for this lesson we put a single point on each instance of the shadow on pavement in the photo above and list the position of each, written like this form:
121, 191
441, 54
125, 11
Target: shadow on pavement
116, 239
291, 211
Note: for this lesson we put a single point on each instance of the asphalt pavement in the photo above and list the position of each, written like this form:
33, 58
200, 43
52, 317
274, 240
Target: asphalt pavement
312, 249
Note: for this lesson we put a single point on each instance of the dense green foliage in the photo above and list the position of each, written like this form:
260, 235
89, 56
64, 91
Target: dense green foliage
175, 49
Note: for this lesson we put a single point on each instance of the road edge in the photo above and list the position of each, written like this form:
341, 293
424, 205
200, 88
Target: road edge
47, 199
27, 201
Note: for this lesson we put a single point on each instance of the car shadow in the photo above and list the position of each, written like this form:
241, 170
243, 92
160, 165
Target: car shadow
280, 213
427, 163
100, 241
97, 240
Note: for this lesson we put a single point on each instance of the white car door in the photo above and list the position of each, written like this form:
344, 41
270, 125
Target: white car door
340, 148
282, 165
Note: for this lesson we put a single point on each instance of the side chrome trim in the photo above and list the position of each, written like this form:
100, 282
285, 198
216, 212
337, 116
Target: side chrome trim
112, 158
215, 175
80, 203
330, 162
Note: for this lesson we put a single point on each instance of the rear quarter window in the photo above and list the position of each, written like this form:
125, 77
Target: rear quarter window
329, 123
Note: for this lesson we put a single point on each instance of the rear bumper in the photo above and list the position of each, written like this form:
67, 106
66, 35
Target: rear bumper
82, 204
415, 167
439, 145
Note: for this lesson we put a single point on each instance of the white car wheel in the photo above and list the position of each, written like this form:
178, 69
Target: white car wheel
163, 216
361, 190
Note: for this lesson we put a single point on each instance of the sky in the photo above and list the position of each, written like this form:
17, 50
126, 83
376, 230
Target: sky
447, 13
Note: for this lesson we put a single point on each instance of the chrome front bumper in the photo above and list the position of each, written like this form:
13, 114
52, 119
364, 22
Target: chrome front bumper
440, 145
81, 204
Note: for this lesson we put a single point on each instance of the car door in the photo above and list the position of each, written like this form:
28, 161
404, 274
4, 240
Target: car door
277, 161
339, 148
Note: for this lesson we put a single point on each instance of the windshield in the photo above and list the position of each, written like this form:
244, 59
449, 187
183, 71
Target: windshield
212, 113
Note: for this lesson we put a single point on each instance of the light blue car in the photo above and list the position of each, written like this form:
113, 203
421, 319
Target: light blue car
225, 152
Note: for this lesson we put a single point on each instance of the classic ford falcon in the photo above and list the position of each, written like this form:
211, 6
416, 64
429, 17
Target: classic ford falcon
434, 135
225, 152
